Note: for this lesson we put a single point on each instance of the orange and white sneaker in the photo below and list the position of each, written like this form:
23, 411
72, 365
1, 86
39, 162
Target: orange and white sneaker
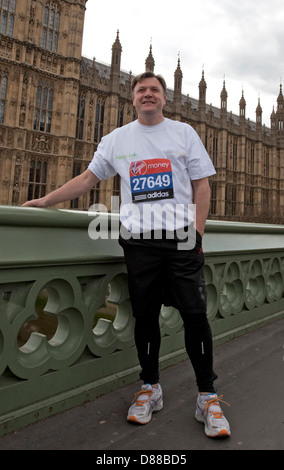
147, 400
209, 412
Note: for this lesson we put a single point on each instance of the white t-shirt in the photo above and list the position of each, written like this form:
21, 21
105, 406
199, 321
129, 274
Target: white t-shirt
156, 165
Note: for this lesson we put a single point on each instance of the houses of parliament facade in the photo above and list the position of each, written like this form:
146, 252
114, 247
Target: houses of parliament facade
56, 105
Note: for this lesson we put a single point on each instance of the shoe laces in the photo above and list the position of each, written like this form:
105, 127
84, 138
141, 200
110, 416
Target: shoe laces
138, 394
215, 402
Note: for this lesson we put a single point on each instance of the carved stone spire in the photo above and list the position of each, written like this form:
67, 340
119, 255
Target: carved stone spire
202, 89
150, 62
116, 53
280, 100
177, 90
224, 98
242, 106
178, 77
258, 113
115, 65
202, 97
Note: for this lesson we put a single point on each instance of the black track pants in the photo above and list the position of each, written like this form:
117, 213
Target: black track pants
159, 273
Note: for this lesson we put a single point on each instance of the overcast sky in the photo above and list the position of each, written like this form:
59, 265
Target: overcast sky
241, 40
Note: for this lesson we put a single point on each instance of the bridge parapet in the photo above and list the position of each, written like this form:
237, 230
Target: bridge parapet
79, 343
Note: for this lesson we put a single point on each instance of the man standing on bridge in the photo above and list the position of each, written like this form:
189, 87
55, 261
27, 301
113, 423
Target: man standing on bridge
164, 170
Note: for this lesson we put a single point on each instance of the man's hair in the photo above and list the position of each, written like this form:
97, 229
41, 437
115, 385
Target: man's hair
148, 74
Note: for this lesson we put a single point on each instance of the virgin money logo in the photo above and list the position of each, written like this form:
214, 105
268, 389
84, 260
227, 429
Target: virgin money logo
138, 168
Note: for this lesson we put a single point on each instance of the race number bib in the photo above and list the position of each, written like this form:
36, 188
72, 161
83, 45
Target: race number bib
151, 180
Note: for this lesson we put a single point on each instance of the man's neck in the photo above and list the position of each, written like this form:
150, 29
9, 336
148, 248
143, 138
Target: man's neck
150, 120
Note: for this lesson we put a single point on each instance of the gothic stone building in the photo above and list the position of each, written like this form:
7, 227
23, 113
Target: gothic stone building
55, 106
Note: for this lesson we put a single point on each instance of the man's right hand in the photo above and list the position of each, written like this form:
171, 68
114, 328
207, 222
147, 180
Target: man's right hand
70, 190
36, 203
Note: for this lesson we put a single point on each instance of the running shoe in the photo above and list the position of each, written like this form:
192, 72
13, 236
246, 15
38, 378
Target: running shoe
147, 400
209, 412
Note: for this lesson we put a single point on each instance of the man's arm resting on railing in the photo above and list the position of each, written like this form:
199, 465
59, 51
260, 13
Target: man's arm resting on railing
70, 190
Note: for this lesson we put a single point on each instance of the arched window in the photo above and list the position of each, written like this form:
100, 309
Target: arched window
37, 179
77, 170
120, 116
7, 16
215, 150
213, 202
99, 120
43, 111
80, 119
235, 155
3, 92
51, 23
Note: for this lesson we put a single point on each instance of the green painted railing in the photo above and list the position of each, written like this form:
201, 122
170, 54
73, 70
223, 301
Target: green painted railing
66, 328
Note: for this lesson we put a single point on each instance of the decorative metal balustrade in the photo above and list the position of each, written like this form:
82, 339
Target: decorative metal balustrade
79, 343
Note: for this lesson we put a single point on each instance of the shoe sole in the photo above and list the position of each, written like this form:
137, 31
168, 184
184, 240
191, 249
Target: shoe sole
147, 419
220, 433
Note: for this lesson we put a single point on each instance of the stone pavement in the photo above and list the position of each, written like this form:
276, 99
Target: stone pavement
251, 379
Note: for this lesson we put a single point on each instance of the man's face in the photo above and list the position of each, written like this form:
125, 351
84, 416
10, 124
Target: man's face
149, 98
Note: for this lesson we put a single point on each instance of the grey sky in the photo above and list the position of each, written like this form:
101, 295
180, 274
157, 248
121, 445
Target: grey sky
239, 39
